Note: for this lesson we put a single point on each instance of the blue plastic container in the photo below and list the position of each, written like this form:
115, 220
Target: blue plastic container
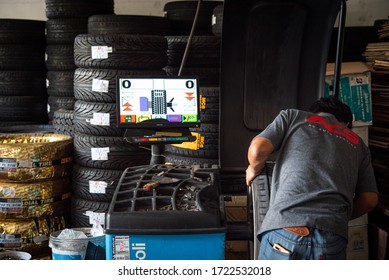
90, 248
199, 246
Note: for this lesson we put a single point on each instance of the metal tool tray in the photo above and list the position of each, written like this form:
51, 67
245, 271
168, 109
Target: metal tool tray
190, 203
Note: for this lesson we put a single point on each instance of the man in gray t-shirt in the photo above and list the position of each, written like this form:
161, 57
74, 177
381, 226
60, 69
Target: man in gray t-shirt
323, 177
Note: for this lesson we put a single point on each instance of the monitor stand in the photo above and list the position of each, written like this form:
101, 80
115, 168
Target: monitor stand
157, 139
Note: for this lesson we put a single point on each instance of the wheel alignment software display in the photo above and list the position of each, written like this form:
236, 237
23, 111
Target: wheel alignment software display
158, 102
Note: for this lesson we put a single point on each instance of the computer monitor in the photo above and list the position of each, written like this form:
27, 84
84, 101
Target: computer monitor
157, 102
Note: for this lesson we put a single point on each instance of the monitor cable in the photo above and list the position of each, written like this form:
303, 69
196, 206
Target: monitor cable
194, 24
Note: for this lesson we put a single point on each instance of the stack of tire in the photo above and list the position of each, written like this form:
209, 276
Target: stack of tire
35, 190
23, 97
203, 61
65, 20
116, 45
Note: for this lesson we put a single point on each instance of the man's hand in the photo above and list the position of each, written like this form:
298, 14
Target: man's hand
259, 151
250, 175
364, 203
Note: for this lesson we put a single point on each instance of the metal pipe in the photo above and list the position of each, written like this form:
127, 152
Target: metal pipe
339, 48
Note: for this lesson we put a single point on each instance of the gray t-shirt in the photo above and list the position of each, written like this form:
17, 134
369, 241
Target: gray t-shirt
320, 165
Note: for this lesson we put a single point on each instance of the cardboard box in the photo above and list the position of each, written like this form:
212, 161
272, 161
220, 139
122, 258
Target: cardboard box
237, 250
358, 243
360, 221
363, 132
355, 90
379, 242
235, 207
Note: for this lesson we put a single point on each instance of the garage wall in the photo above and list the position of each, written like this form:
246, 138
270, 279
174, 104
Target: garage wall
360, 12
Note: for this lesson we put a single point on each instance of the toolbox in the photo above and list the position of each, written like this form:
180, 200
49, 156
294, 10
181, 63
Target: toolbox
166, 212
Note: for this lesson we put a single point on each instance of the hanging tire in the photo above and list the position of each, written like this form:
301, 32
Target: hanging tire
120, 51
35, 156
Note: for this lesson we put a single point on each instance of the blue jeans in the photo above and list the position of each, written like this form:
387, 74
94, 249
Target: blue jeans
281, 244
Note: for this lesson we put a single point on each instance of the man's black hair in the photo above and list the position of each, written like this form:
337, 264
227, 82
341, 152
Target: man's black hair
332, 105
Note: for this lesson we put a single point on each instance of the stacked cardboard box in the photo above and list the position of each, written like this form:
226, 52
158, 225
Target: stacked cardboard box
355, 91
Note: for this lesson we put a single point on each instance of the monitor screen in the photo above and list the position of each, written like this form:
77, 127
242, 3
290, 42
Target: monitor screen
157, 102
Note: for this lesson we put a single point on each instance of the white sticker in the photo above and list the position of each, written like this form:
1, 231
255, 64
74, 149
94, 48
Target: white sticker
213, 20
100, 85
96, 218
100, 119
359, 80
121, 248
100, 153
97, 186
100, 52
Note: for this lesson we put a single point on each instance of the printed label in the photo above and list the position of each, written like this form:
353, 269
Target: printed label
100, 153
96, 218
100, 85
121, 248
97, 186
100, 52
11, 205
10, 240
8, 164
100, 119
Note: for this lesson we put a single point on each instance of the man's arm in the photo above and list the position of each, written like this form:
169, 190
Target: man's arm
364, 203
259, 151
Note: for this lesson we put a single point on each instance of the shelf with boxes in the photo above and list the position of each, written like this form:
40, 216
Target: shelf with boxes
356, 92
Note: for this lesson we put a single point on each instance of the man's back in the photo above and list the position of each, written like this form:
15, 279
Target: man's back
316, 173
